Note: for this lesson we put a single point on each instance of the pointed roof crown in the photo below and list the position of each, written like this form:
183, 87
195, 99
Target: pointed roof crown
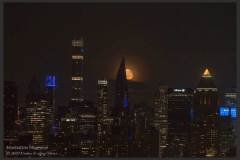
207, 81
206, 73
122, 69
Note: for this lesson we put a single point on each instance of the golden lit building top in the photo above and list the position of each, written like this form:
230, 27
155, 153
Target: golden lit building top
206, 73
207, 82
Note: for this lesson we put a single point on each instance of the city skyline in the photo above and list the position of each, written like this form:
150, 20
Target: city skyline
168, 43
120, 80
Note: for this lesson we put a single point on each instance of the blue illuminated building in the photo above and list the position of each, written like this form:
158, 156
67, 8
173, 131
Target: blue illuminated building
228, 115
120, 113
230, 100
50, 81
50, 84
125, 103
224, 111
233, 112
121, 99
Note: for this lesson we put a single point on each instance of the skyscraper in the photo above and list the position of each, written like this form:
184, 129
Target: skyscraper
180, 103
102, 98
50, 85
139, 124
80, 130
78, 52
78, 125
104, 121
204, 126
160, 117
120, 114
228, 125
121, 92
37, 112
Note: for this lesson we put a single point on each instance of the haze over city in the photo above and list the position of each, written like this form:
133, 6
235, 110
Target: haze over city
162, 43
120, 80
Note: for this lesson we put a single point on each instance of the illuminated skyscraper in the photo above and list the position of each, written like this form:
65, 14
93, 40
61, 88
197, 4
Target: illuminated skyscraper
78, 52
50, 85
204, 126
121, 95
37, 112
102, 98
180, 103
80, 130
228, 125
120, 114
79, 124
104, 121
160, 117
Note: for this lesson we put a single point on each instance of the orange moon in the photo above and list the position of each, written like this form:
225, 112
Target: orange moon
129, 74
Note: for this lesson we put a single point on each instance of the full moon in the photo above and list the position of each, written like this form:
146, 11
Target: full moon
129, 74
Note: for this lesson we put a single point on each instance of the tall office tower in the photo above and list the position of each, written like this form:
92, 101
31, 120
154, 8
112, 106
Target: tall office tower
104, 121
50, 84
204, 126
228, 125
102, 98
227, 146
121, 95
77, 78
37, 114
120, 114
138, 122
160, 117
104, 137
180, 103
80, 131
87, 129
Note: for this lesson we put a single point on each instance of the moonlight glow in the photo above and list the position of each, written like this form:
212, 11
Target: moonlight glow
129, 74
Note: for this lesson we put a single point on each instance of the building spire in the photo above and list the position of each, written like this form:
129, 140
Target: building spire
121, 86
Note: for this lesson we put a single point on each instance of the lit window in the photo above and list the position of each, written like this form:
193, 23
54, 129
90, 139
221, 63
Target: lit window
76, 99
77, 78
77, 57
77, 43
224, 111
104, 82
234, 112
50, 81
75, 88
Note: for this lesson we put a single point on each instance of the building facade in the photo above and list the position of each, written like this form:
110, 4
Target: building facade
160, 117
121, 114
77, 78
37, 114
104, 121
180, 103
204, 138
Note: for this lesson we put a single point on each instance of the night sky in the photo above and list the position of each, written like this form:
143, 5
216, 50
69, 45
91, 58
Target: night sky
162, 43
